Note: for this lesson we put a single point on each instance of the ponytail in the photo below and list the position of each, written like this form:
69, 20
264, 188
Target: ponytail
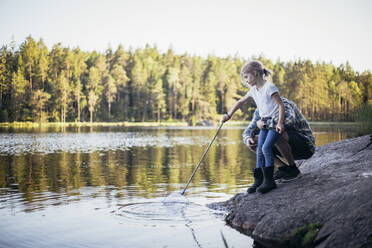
266, 72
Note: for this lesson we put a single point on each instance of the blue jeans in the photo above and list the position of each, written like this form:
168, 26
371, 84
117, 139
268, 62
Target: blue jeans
266, 141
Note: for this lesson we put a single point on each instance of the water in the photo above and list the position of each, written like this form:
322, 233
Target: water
175, 197
120, 187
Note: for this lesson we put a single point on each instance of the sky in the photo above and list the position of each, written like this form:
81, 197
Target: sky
320, 30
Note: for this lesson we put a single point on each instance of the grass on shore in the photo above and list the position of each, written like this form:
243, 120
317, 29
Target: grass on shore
143, 124
88, 124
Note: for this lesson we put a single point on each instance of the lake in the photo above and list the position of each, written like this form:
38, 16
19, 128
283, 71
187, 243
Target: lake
104, 187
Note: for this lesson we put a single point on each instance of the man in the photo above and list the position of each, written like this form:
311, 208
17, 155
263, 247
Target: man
297, 142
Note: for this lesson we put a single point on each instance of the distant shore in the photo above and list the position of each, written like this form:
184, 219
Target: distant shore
144, 124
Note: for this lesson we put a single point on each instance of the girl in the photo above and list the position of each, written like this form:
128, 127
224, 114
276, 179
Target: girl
269, 104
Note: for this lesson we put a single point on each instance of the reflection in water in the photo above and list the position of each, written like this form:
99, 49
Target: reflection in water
144, 170
119, 177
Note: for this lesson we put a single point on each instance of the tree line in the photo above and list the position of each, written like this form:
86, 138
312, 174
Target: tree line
71, 85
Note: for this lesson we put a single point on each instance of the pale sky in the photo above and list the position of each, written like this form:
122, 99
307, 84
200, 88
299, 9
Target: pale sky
330, 30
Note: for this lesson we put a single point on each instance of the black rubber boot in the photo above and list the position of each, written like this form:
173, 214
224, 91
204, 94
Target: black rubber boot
292, 173
268, 181
281, 172
258, 179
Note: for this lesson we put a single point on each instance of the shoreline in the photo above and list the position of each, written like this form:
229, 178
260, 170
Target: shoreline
146, 124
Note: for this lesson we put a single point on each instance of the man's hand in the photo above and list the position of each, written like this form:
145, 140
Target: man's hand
251, 143
260, 124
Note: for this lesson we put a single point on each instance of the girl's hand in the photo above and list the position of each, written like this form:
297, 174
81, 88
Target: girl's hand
260, 124
225, 117
280, 128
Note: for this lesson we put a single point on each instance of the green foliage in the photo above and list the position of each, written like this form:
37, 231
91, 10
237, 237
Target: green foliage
94, 89
63, 93
368, 242
29, 51
144, 85
38, 100
304, 236
3, 70
18, 96
4, 116
363, 115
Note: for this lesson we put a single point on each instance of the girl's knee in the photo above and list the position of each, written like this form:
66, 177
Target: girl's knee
267, 149
259, 150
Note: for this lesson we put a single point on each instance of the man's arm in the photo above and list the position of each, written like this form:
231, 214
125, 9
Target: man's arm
248, 132
289, 112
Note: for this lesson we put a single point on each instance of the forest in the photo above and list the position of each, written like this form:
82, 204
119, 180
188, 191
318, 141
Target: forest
64, 84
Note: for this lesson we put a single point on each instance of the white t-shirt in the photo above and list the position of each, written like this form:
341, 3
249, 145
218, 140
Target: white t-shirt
265, 104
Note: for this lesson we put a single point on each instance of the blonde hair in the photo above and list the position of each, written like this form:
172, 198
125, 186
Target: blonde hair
254, 65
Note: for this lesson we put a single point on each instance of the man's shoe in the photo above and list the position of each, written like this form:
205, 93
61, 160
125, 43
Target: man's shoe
258, 179
281, 172
268, 183
292, 172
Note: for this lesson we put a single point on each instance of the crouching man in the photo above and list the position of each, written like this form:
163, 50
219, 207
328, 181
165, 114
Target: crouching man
296, 143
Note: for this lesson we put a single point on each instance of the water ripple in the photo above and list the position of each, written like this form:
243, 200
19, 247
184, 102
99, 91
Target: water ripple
20, 143
164, 213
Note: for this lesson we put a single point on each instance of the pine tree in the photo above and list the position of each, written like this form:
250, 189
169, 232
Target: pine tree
185, 84
30, 54
138, 80
3, 74
94, 90
110, 90
18, 93
42, 65
38, 100
78, 68
197, 70
172, 78
63, 93
121, 80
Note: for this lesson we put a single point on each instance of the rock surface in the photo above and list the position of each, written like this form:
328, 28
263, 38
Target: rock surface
334, 192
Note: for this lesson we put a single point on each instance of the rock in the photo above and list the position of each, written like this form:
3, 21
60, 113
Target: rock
329, 205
